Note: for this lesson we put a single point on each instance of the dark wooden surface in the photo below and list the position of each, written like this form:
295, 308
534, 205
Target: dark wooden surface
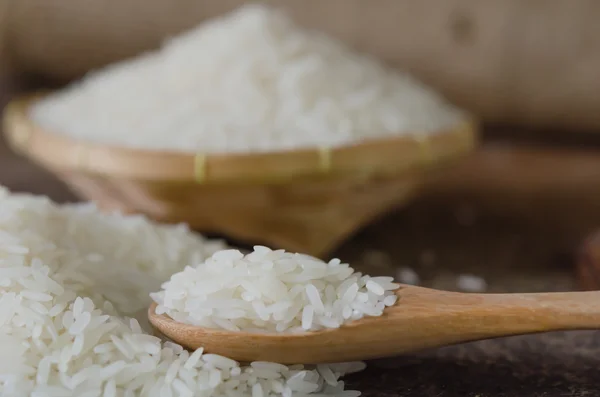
441, 236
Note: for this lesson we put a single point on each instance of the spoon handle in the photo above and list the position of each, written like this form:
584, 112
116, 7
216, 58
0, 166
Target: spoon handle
429, 318
546, 311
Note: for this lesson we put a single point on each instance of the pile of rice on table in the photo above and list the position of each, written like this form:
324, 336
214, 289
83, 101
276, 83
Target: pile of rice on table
250, 81
73, 280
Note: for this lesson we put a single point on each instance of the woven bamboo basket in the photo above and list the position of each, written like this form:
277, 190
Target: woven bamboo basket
303, 200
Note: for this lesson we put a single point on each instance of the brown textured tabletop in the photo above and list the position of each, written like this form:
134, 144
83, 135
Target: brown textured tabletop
440, 237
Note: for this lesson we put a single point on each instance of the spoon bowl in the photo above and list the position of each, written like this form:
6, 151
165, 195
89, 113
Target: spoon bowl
422, 318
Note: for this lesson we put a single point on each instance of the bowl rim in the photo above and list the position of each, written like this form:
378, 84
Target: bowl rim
377, 156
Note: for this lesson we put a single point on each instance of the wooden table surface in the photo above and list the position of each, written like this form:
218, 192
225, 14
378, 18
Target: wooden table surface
441, 236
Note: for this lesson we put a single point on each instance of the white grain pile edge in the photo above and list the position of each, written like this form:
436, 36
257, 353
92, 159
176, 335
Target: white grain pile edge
70, 276
250, 81
272, 291
407, 275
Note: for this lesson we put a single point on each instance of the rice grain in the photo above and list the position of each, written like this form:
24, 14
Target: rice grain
67, 324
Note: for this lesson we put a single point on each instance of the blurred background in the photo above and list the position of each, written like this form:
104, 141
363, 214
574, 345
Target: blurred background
519, 214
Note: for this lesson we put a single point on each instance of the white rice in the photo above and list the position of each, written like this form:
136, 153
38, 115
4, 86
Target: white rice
249, 81
407, 275
471, 283
272, 291
70, 277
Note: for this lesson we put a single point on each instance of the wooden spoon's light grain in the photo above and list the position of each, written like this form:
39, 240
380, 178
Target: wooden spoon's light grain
422, 318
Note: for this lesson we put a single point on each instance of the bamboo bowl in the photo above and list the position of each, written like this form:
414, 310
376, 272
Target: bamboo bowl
306, 200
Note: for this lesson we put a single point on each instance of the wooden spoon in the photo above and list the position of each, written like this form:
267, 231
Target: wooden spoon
422, 318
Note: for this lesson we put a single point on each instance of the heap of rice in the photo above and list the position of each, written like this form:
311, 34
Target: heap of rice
272, 291
249, 81
70, 276
471, 283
